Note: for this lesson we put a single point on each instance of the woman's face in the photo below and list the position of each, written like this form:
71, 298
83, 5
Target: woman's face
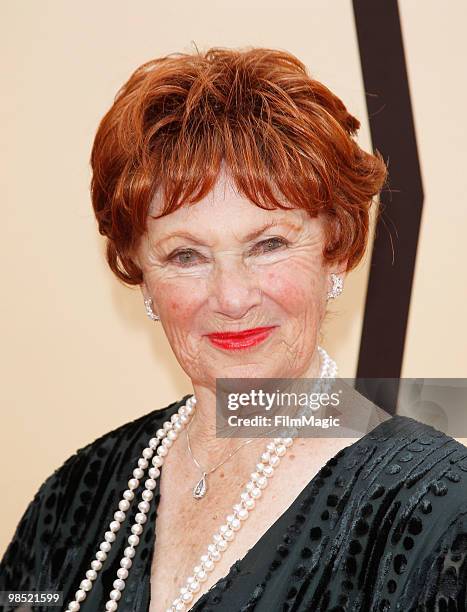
207, 272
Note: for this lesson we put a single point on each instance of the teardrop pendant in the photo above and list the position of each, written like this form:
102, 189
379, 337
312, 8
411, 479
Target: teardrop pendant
201, 487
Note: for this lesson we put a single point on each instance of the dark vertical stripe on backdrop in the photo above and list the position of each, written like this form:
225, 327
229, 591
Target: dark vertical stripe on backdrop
395, 246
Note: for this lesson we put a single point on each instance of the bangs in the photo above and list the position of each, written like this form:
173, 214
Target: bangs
273, 165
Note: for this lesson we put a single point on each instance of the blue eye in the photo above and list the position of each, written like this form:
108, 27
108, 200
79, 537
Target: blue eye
183, 253
274, 242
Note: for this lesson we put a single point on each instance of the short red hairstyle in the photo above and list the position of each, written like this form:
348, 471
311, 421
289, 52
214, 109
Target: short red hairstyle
286, 139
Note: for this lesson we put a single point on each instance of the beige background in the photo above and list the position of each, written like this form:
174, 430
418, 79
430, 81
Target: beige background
79, 356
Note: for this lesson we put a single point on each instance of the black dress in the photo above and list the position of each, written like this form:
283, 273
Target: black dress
382, 526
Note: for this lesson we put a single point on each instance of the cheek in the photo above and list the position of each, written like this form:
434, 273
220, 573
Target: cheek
287, 287
176, 302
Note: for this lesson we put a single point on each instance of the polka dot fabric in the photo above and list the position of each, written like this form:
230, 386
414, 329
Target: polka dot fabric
381, 527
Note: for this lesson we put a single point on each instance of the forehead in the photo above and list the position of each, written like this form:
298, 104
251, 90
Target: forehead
223, 208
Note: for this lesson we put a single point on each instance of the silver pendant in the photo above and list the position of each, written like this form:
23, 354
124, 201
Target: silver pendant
201, 487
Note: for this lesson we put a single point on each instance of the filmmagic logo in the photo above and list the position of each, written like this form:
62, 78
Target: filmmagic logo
260, 398
283, 420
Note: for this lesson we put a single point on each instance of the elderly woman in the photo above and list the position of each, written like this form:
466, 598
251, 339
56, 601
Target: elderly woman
231, 190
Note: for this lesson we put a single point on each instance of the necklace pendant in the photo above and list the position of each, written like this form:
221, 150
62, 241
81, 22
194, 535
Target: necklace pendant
201, 487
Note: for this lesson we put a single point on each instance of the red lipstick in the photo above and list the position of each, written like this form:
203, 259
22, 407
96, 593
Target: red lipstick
240, 340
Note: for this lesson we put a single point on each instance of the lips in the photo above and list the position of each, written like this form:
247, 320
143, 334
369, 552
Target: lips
242, 339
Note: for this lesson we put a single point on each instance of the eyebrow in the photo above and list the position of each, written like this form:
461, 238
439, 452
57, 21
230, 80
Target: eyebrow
250, 236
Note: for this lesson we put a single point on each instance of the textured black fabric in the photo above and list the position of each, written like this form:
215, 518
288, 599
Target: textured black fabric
382, 526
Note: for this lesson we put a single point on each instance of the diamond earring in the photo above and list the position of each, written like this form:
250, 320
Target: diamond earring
337, 286
149, 311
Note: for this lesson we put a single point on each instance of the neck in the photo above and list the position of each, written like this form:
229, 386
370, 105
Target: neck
208, 449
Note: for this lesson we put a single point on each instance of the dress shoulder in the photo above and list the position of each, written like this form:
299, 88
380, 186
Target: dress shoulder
382, 527
418, 495
436, 522
43, 543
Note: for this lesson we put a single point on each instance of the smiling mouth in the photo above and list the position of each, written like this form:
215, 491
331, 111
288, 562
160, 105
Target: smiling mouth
240, 340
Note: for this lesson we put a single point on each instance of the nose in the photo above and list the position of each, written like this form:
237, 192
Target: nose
234, 289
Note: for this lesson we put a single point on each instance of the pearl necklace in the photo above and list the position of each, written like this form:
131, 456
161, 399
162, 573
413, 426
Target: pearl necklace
160, 444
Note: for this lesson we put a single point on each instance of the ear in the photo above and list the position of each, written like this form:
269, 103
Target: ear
339, 268
144, 290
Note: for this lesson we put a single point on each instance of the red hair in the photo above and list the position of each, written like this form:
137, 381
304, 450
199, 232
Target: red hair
287, 140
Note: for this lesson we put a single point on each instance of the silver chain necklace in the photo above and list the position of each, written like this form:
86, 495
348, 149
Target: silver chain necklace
201, 487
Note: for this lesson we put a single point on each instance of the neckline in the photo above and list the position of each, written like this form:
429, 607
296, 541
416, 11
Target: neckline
239, 563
